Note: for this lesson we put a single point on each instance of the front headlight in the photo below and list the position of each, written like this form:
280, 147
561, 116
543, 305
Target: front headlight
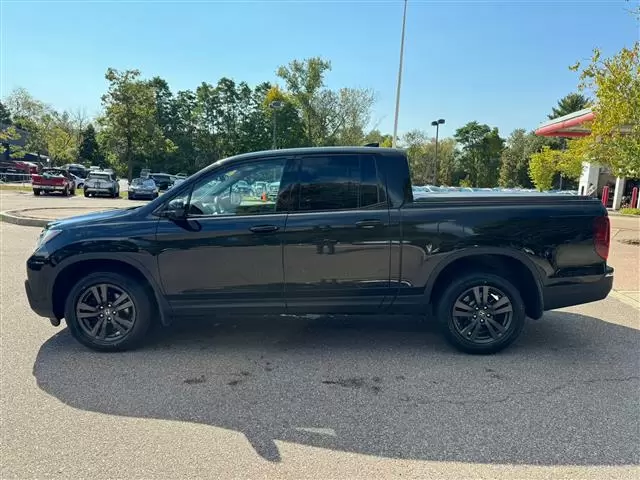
45, 236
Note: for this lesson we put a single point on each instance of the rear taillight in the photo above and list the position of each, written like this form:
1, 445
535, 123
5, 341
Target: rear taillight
601, 236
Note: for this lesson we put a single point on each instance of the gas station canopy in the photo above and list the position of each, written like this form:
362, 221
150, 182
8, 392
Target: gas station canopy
571, 126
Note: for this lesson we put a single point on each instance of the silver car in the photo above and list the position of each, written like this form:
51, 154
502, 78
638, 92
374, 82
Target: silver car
101, 183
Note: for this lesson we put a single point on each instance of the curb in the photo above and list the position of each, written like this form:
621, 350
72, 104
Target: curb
17, 217
625, 299
9, 217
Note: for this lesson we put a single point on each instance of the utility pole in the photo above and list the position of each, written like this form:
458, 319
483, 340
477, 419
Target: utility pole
395, 122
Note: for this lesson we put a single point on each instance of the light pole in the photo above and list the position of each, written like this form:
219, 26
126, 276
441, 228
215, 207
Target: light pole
436, 123
275, 105
395, 122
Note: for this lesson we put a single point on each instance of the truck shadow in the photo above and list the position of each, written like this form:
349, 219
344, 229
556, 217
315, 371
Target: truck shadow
565, 393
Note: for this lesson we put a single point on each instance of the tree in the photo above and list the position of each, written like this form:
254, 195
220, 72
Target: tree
89, 150
421, 153
290, 131
615, 130
24, 108
569, 104
131, 130
5, 115
544, 165
61, 138
480, 156
304, 80
515, 158
374, 136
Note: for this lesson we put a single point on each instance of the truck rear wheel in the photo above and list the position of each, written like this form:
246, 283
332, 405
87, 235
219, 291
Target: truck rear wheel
108, 312
481, 313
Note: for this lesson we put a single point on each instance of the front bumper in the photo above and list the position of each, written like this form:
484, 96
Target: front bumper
585, 290
40, 305
142, 194
98, 190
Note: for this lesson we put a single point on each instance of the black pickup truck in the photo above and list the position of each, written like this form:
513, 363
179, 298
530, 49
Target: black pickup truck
343, 235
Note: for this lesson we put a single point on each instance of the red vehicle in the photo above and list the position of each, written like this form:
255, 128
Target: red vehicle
53, 180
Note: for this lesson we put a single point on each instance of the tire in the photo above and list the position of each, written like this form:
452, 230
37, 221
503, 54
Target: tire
73, 192
65, 192
479, 334
36, 192
130, 197
139, 313
86, 194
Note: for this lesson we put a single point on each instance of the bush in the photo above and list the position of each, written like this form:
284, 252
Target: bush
630, 211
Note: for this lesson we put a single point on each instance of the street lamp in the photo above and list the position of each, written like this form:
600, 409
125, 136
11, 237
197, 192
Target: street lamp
275, 105
436, 123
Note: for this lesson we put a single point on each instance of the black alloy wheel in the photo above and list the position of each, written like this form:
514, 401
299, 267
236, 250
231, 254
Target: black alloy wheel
108, 311
481, 313
105, 312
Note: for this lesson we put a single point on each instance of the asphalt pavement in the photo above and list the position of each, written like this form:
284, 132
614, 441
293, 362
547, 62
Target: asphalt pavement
320, 397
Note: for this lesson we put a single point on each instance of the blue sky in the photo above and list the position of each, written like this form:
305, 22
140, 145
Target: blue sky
504, 63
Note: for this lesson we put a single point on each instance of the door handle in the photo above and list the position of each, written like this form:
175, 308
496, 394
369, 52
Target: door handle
369, 224
264, 228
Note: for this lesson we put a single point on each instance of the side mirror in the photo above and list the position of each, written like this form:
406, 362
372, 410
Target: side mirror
176, 210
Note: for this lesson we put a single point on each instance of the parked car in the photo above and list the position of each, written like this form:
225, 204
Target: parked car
177, 182
258, 188
76, 169
163, 180
343, 235
79, 181
142, 188
53, 180
101, 183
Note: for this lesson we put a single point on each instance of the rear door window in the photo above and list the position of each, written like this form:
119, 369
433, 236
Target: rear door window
338, 182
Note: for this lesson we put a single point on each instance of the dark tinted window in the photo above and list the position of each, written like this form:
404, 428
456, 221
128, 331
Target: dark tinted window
371, 191
338, 182
329, 183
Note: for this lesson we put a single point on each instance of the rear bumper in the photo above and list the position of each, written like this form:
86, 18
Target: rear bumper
588, 289
50, 188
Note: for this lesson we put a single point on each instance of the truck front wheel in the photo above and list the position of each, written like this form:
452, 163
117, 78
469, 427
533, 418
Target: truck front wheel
481, 313
36, 192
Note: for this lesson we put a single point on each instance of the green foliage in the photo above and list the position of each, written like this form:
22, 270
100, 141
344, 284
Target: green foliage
329, 117
544, 165
630, 211
5, 115
514, 168
615, 130
421, 152
8, 135
89, 150
569, 104
480, 155
130, 123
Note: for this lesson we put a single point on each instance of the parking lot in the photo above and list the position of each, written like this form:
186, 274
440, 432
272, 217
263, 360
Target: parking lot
329, 397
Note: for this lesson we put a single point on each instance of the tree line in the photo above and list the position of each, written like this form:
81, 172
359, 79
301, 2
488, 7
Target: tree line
144, 124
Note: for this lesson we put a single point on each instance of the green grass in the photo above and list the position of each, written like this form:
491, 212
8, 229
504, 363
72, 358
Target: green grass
630, 211
13, 187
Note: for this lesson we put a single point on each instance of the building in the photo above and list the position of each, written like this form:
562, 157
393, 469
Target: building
575, 125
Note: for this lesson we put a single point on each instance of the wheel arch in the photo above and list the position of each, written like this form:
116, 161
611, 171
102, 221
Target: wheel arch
512, 265
68, 275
